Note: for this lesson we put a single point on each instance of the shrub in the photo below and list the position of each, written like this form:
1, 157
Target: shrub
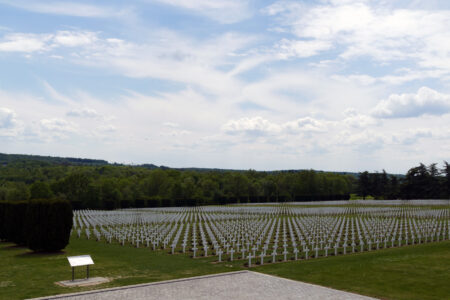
48, 224
14, 221
154, 202
166, 202
125, 204
109, 204
2, 220
139, 203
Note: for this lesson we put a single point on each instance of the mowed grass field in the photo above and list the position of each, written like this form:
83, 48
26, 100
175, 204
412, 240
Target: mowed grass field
413, 272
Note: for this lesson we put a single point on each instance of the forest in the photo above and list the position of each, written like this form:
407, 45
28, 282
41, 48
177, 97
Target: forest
421, 182
88, 184
97, 184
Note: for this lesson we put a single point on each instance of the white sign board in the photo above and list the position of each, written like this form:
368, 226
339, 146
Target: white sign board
81, 260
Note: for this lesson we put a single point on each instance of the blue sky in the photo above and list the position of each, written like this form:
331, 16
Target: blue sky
329, 84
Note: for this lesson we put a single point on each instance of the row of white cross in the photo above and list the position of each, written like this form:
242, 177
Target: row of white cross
266, 232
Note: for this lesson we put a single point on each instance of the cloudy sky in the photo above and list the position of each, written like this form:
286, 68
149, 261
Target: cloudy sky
330, 84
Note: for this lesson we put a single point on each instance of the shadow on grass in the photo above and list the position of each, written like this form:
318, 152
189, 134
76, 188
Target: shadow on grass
31, 253
8, 246
11, 247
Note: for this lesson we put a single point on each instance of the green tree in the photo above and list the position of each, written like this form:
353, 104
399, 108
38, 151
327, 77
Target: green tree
363, 184
40, 190
446, 172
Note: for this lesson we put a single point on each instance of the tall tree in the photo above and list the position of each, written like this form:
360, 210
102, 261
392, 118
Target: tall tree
446, 172
363, 184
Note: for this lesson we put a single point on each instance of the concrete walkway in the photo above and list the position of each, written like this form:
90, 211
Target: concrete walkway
233, 285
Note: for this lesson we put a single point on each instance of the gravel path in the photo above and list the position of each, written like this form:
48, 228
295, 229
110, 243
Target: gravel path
234, 285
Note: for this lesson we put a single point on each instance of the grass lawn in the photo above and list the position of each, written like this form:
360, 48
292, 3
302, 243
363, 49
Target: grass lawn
25, 275
415, 272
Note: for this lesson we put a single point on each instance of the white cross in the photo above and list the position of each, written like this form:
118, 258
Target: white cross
262, 257
220, 254
195, 250
231, 254
250, 256
285, 252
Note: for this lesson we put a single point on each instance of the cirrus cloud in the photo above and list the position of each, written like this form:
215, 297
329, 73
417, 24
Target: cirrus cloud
222, 11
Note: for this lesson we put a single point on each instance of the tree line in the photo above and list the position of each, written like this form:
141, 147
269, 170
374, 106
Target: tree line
421, 182
121, 186
91, 184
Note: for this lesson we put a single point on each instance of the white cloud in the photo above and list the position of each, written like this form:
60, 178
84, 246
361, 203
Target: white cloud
369, 28
223, 11
68, 8
108, 128
24, 42
359, 79
266, 100
258, 126
425, 102
10, 126
294, 48
58, 125
396, 77
7, 118
357, 120
363, 141
54, 94
171, 124
74, 38
29, 42
305, 125
252, 126
412, 136
197, 62
174, 133
83, 113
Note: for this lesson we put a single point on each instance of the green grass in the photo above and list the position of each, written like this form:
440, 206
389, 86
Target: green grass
24, 274
414, 272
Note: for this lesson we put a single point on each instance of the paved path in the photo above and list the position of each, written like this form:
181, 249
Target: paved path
234, 285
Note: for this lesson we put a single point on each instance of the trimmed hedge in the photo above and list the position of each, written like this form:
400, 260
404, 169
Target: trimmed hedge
48, 225
41, 225
15, 221
2, 220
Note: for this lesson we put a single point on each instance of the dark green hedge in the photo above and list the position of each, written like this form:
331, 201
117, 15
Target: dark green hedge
2, 220
15, 221
48, 225
41, 225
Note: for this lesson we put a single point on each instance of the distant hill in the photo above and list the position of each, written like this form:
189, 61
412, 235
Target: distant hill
6, 159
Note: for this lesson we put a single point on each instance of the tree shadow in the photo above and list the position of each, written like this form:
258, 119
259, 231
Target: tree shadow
10, 247
31, 253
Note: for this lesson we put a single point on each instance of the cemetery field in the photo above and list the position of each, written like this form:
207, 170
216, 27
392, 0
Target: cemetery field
391, 252
413, 272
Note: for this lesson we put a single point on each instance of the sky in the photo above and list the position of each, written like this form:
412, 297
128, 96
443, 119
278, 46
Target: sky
334, 85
